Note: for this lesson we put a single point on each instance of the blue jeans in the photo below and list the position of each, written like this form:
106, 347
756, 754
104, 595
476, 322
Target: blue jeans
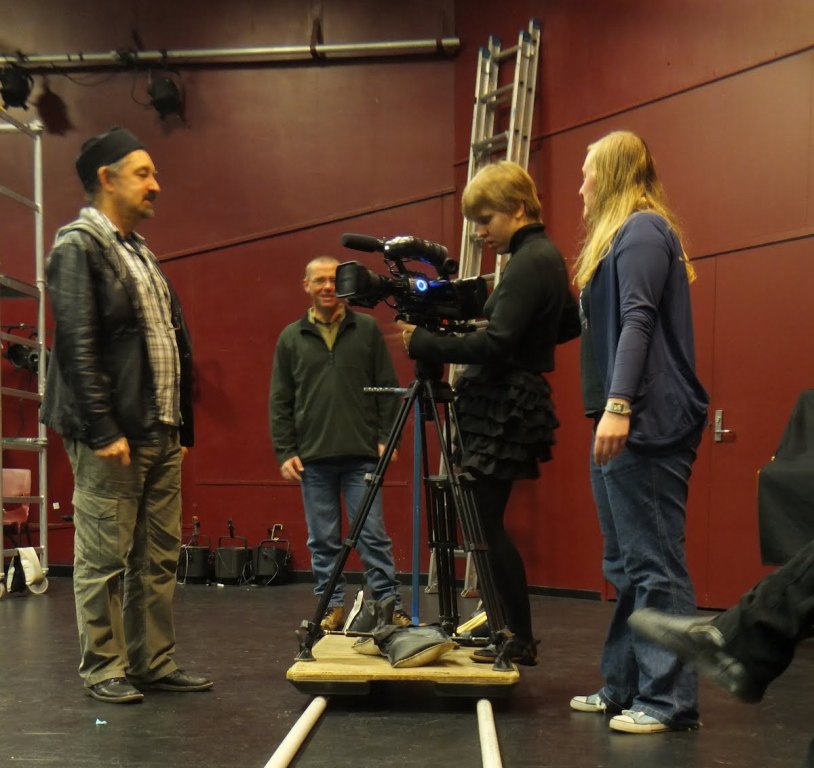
641, 502
322, 484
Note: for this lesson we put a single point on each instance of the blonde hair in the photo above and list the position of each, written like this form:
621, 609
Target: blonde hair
625, 183
501, 186
319, 260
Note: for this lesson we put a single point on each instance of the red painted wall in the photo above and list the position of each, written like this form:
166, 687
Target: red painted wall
272, 164
275, 162
723, 94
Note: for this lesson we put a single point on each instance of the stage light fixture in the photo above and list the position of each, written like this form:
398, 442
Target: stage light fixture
23, 357
165, 96
15, 86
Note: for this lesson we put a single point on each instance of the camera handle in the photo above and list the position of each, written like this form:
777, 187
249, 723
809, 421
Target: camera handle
449, 498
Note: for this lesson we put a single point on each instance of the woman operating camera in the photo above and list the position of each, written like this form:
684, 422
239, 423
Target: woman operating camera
503, 401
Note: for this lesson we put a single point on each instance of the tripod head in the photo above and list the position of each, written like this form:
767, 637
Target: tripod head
432, 389
429, 371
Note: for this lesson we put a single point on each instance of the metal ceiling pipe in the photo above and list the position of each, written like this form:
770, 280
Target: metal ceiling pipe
260, 55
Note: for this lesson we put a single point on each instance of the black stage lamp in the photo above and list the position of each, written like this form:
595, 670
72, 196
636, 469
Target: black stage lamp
23, 357
15, 86
165, 96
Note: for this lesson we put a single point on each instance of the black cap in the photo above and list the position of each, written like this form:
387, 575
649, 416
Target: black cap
104, 149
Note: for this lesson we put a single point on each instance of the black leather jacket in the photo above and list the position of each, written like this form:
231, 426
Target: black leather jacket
99, 385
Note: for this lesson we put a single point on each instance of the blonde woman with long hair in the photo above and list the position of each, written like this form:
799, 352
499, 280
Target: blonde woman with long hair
649, 409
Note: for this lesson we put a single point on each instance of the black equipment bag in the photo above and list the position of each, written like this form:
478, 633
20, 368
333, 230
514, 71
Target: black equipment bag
195, 560
272, 558
233, 563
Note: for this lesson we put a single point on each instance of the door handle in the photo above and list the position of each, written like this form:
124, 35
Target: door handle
718, 430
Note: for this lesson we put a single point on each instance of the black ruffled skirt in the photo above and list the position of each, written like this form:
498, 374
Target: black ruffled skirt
506, 420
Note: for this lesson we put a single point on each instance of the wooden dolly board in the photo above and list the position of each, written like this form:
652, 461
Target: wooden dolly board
338, 669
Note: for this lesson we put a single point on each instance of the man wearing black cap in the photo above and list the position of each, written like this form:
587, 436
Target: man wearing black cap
118, 391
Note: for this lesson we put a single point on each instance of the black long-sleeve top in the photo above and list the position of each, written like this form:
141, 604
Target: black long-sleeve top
529, 313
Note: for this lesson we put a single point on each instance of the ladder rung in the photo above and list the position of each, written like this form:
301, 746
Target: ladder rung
524, 38
507, 53
22, 500
499, 139
498, 95
23, 394
14, 339
23, 443
11, 288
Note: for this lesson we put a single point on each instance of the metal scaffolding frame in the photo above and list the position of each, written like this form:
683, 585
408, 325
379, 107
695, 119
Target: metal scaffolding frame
11, 288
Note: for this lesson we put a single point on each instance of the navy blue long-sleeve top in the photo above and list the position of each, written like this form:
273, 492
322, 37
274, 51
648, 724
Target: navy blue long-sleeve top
640, 327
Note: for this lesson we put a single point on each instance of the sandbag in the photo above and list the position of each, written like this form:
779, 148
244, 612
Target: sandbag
403, 646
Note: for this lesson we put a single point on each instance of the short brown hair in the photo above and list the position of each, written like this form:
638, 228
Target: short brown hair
319, 260
501, 186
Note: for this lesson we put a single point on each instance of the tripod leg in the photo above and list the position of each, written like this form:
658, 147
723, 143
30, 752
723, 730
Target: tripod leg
474, 540
443, 539
442, 530
309, 632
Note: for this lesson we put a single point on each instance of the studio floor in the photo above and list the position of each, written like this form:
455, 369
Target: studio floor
244, 638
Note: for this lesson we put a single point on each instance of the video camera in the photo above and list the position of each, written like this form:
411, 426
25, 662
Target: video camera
440, 305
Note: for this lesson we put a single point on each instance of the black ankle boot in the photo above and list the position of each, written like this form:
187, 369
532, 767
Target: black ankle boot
516, 650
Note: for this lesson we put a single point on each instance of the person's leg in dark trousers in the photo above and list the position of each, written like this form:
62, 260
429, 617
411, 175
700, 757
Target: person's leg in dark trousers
808, 760
492, 495
764, 628
756, 638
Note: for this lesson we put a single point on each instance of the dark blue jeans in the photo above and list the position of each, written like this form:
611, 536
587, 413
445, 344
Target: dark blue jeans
323, 483
641, 502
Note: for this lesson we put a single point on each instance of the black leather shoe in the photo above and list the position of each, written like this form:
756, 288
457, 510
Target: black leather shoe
517, 651
115, 691
700, 643
181, 682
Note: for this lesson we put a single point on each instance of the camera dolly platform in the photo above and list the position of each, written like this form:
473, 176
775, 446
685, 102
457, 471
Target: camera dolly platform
338, 669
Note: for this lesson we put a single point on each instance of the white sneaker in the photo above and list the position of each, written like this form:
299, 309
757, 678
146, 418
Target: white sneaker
592, 703
636, 721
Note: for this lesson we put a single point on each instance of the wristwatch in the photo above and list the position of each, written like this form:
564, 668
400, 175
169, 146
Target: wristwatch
620, 409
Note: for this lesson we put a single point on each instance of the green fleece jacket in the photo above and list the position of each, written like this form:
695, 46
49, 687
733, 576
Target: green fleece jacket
317, 406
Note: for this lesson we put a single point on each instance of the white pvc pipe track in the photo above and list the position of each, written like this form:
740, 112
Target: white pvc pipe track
285, 753
489, 747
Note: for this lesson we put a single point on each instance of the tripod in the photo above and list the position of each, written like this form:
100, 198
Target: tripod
449, 501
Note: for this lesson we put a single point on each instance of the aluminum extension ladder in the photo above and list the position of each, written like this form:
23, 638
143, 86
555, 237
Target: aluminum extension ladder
501, 130
499, 104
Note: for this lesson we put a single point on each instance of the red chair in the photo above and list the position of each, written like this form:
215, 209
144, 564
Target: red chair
16, 482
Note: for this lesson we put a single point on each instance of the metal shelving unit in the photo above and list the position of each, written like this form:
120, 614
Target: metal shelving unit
13, 289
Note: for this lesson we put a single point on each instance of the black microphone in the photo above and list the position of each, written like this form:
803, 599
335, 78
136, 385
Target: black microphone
366, 243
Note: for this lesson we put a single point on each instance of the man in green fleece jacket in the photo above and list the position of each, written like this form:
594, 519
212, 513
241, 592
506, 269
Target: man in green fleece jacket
327, 433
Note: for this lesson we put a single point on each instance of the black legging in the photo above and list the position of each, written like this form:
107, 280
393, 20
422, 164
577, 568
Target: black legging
491, 496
